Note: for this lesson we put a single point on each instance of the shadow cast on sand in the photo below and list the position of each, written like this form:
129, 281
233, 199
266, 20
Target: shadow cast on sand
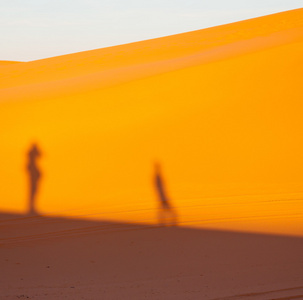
167, 215
81, 259
34, 175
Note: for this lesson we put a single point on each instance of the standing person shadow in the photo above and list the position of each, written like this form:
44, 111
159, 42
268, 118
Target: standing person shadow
34, 177
166, 214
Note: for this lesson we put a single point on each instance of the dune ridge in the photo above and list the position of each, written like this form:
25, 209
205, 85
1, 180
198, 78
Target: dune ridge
166, 54
4, 63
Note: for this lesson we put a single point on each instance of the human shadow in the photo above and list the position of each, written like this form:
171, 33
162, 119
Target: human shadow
167, 214
34, 175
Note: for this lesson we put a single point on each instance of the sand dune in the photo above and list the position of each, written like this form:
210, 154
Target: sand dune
208, 123
219, 109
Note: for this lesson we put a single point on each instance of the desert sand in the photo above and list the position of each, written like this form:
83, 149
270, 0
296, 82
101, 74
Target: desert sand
7, 62
57, 258
164, 169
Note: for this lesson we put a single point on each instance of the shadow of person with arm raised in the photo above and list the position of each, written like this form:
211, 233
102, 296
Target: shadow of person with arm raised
166, 213
34, 175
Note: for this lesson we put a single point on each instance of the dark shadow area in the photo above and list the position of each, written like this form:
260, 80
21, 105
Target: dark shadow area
34, 175
83, 259
167, 214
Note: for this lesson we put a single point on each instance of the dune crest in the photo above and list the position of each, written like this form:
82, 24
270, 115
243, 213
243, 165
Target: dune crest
151, 57
4, 63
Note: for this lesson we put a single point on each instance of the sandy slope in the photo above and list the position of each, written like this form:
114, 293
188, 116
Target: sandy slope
57, 258
220, 109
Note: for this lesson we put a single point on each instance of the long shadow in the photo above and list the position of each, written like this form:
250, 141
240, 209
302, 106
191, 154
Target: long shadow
85, 258
167, 214
34, 175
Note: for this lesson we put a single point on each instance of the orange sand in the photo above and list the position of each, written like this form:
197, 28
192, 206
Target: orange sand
220, 109
7, 62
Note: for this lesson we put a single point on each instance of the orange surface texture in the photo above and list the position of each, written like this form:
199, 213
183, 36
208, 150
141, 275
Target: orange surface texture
219, 109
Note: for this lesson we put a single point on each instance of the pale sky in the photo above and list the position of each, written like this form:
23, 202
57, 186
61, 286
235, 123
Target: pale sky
35, 29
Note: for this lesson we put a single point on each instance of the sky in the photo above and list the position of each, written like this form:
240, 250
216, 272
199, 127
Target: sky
37, 29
